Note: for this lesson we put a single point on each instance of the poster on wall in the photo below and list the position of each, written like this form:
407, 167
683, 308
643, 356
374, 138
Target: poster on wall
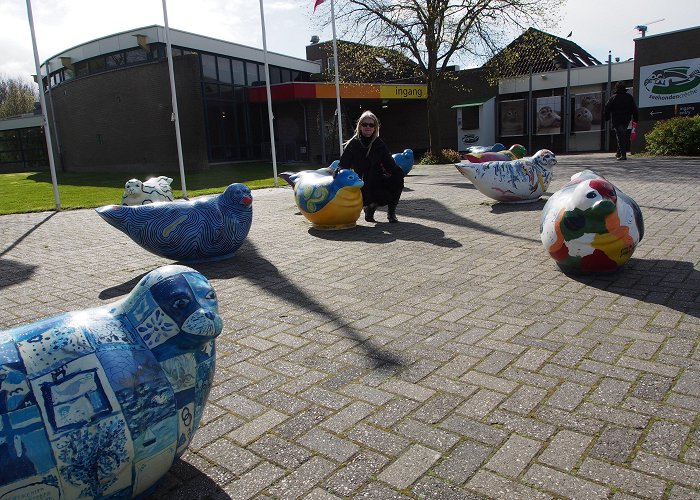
675, 82
512, 117
588, 112
548, 115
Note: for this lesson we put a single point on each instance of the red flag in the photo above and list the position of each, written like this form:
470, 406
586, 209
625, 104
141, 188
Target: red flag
317, 3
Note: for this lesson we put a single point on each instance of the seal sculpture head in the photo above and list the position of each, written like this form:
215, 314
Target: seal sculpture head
330, 198
515, 181
590, 225
404, 160
153, 190
99, 403
203, 229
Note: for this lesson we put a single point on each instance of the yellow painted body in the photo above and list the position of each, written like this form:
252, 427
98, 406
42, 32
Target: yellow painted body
339, 213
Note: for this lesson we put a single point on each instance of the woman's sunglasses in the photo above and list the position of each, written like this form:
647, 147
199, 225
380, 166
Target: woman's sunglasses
367, 125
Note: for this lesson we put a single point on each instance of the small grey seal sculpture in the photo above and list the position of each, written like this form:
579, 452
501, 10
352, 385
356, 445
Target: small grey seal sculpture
99, 403
204, 229
150, 191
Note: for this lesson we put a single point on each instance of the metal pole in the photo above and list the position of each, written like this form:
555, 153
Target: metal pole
270, 116
567, 107
173, 97
337, 81
529, 115
607, 96
53, 115
42, 100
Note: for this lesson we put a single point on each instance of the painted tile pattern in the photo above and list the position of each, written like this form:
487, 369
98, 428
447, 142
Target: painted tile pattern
99, 403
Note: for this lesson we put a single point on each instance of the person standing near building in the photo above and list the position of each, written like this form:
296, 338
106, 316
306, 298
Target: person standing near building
620, 109
370, 158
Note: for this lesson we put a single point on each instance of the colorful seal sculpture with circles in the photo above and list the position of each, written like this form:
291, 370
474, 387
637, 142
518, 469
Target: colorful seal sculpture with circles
99, 403
590, 225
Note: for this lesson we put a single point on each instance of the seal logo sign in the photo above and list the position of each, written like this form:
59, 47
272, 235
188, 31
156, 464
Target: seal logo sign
673, 80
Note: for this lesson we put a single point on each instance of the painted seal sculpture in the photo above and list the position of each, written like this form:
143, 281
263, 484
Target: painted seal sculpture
484, 149
589, 225
150, 191
404, 160
330, 198
515, 152
515, 181
207, 228
99, 403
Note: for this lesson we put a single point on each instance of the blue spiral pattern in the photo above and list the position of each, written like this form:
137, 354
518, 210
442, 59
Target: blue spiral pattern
205, 229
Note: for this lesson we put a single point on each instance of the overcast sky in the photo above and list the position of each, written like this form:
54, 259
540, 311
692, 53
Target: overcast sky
597, 25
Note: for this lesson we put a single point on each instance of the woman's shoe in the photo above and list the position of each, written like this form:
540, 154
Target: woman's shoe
369, 212
391, 215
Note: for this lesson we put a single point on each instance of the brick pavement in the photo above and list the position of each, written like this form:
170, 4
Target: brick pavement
442, 357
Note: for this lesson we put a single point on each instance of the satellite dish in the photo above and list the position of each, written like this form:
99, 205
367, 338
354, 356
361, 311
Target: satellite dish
642, 28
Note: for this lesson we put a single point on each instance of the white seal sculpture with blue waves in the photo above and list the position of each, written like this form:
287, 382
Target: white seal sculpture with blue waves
204, 229
99, 403
516, 181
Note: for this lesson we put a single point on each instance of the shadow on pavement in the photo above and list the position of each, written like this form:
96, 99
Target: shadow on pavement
671, 283
13, 272
251, 266
384, 232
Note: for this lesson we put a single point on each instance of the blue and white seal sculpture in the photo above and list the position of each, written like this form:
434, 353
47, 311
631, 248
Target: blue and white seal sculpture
329, 198
590, 225
516, 181
99, 403
404, 160
204, 229
149, 191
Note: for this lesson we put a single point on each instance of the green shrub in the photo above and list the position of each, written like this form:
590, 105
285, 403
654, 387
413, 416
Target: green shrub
445, 156
678, 136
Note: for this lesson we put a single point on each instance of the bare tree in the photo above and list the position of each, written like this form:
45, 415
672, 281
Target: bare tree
17, 96
432, 33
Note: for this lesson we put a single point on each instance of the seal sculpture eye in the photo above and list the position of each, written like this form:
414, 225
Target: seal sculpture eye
211, 295
181, 303
591, 194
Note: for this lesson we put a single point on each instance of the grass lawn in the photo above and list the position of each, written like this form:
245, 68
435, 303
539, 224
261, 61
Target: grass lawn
33, 191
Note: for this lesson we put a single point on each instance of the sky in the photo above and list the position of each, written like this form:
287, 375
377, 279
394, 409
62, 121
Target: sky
598, 26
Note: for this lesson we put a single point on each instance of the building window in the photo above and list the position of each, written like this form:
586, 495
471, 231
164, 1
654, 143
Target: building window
470, 118
209, 68
238, 72
135, 56
224, 65
252, 76
275, 75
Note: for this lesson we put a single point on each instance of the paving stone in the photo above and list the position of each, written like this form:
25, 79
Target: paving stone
514, 456
305, 477
408, 467
565, 450
616, 444
564, 484
688, 475
333, 447
666, 438
494, 486
355, 473
461, 463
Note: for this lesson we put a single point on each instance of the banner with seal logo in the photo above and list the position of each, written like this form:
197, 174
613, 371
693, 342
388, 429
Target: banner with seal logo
675, 82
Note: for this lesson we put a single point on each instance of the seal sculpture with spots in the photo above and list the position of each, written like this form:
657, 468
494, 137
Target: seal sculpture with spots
589, 225
99, 403
150, 191
330, 198
204, 229
515, 181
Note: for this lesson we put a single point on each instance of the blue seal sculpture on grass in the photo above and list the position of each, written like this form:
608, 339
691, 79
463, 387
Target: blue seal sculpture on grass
330, 198
204, 229
99, 403
515, 181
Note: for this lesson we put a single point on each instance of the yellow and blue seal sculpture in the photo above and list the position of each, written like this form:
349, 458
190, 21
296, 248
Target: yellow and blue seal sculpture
329, 198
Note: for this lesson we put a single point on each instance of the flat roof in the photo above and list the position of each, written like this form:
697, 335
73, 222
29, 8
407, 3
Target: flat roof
156, 34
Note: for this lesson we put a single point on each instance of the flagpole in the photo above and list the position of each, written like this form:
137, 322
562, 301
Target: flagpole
173, 97
42, 100
337, 80
270, 116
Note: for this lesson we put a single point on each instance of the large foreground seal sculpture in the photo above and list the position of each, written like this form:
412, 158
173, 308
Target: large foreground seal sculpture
328, 197
99, 403
149, 191
589, 225
203, 229
515, 181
